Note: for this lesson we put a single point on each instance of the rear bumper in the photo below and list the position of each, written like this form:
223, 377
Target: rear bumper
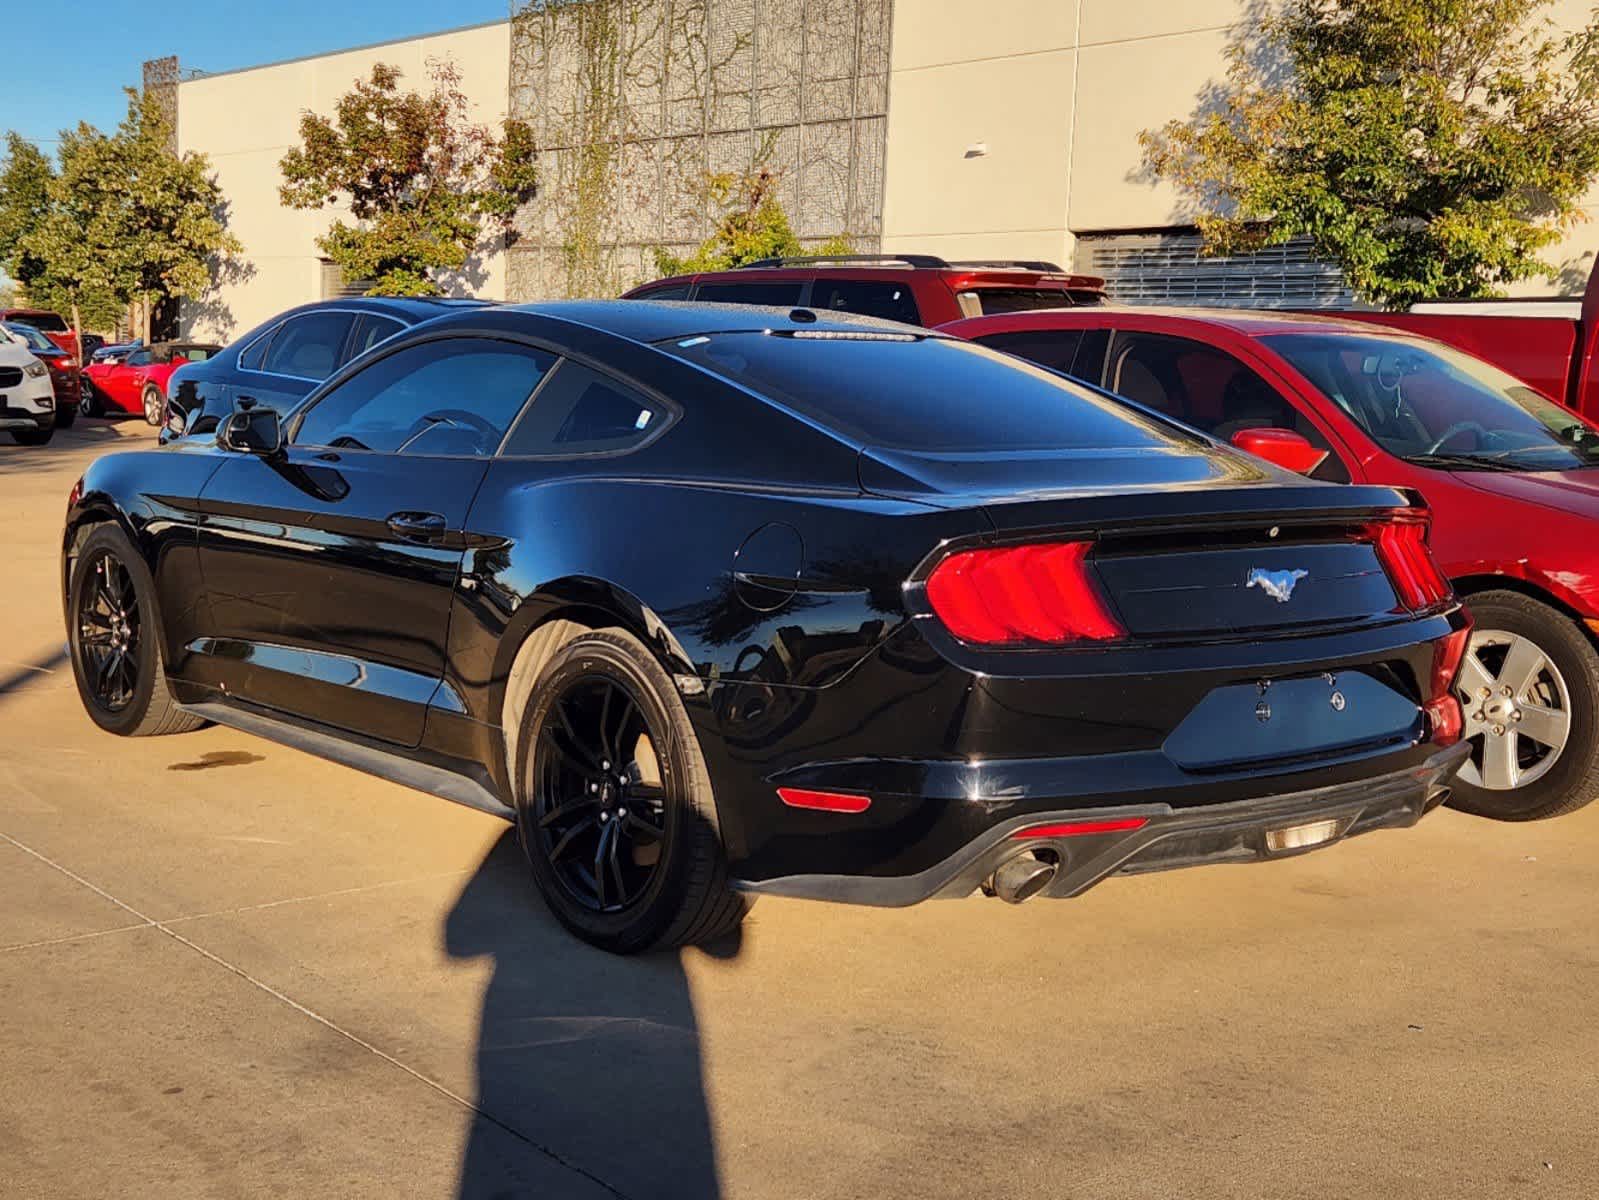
1170, 838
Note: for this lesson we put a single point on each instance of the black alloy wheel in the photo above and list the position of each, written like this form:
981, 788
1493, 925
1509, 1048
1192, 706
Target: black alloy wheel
614, 805
109, 629
599, 804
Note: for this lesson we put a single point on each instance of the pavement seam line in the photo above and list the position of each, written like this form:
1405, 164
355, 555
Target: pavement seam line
469, 1105
76, 937
354, 891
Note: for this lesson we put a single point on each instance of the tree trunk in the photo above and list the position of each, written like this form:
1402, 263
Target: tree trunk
77, 333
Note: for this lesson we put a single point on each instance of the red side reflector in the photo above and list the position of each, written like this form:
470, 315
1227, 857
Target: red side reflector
1042, 593
841, 802
1444, 715
1081, 828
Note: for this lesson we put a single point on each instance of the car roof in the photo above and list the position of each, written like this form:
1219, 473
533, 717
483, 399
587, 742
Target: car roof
660, 320
1252, 323
416, 308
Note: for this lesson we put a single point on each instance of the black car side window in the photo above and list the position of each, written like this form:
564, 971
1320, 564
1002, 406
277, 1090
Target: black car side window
672, 291
582, 411
308, 346
372, 330
891, 301
250, 357
782, 292
453, 396
1052, 348
1211, 390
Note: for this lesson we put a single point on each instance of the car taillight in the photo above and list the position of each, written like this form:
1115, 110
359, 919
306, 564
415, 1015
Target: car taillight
1402, 548
75, 495
1443, 706
1042, 593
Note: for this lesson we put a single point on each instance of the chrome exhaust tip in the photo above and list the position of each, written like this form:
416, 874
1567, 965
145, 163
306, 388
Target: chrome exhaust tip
1022, 877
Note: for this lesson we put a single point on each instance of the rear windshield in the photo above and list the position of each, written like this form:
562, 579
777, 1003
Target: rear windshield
48, 322
1009, 300
918, 393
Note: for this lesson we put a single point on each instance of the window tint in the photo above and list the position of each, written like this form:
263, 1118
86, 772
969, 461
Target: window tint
1210, 390
370, 331
1008, 300
920, 393
1052, 348
780, 292
250, 357
308, 346
584, 412
672, 291
140, 358
49, 322
456, 396
891, 301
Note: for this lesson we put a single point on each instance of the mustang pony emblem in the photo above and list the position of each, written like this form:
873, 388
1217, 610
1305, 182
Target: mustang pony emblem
1279, 585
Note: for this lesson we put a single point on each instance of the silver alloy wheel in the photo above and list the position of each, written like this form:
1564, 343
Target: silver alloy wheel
1518, 710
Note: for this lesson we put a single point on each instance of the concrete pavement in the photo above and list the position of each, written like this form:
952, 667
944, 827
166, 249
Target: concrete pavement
230, 970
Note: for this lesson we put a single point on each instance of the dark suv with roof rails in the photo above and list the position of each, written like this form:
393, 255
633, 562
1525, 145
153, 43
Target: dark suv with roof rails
918, 289
280, 361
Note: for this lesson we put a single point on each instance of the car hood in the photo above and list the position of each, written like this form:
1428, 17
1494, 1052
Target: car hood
1575, 492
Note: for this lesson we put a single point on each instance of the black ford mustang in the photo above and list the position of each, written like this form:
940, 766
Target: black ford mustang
715, 602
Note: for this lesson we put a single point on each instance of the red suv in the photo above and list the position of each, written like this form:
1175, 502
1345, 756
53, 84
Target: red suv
917, 289
1512, 479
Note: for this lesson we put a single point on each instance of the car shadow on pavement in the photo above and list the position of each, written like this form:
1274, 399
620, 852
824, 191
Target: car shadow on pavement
86, 433
588, 1061
16, 676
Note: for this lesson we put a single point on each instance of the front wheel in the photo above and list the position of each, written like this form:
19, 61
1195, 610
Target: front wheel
614, 805
33, 437
1529, 686
153, 402
90, 404
115, 641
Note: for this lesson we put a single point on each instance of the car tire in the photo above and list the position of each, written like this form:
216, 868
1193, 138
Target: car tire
602, 697
90, 405
1527, 779
141, 705
66, 416
33, 437
154, 401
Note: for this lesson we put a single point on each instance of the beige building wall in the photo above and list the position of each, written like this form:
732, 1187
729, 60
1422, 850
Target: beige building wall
246, 120
1013, 124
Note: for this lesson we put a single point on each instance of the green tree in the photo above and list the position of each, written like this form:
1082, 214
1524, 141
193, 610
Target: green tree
422, 182
750, 225
1430, 147
24, 203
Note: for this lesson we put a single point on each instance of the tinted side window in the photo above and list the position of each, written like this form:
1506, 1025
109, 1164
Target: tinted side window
141, 358
369, 332
780, 292
1052, 348
456, 396
672, 291
1007, 300
308, 346
1210, 390
250, 357
891, 301
584, 412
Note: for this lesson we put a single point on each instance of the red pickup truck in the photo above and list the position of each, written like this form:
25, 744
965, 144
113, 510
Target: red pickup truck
1556, 353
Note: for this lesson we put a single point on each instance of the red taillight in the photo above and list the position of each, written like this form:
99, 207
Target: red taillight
1067, 829
75, 495
841, 802
1443, 707
1402, 548
1039, 593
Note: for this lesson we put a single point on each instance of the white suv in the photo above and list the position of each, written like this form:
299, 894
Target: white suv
27, 397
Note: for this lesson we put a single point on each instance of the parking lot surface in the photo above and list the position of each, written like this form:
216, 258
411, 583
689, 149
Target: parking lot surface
231, 970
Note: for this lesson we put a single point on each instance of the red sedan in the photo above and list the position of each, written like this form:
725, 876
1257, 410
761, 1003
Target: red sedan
139, 382
1512, 479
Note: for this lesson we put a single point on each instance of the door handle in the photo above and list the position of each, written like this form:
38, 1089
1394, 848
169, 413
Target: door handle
418, 526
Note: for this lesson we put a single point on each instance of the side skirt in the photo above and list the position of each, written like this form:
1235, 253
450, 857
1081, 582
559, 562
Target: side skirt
385, 764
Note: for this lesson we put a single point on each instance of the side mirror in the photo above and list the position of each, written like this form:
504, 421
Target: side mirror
256, 431
1281, 447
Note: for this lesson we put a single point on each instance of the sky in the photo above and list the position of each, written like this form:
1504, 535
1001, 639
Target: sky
54, 83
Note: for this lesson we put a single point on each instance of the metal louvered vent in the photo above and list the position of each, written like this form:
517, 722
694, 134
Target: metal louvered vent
1168, 269
336, 287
